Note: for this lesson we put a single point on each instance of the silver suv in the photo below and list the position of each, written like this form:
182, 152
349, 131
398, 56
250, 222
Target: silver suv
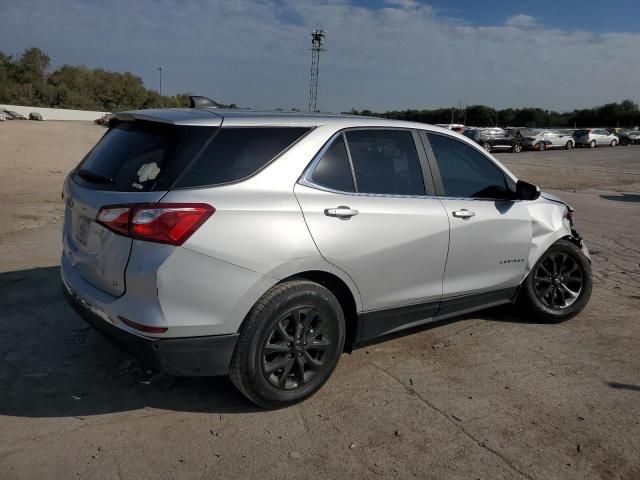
264, 245
595, 137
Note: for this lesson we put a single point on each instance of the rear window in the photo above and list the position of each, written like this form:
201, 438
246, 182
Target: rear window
141, 156
236, 153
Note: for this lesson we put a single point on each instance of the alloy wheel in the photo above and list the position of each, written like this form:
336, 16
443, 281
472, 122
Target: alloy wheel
297, 349
558, 280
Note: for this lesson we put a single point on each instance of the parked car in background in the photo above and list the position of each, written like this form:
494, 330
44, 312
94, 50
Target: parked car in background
494, 139
595, 137
624, 137
548, 139
634, 136
35, 116
4, 117
261, 245
519, 132
13, 115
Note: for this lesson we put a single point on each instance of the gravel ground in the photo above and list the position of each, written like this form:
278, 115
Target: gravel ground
485, 396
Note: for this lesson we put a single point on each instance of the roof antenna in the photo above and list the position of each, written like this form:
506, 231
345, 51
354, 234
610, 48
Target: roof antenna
197, 101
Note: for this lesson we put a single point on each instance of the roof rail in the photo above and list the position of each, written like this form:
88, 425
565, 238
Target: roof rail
197, 101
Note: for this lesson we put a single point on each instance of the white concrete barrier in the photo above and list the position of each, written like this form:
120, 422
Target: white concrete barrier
56, 113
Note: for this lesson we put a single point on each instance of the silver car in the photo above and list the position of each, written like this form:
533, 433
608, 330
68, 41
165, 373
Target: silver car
548, 139
264, 245
595, 137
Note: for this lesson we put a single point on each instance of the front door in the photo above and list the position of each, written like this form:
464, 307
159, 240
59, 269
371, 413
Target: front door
491, 234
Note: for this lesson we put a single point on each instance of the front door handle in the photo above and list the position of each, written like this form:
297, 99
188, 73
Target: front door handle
342, 212
464, 213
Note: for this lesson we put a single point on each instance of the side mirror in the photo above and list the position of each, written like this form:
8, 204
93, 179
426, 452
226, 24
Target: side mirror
527, 191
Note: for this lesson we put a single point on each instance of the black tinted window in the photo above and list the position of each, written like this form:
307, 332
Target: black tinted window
385, 162
141, 156
465, 172
236, 153
333, 170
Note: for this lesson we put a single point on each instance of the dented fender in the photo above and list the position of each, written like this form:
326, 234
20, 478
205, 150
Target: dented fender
549, 223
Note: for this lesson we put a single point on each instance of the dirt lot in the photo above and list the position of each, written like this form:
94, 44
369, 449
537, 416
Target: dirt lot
483, 397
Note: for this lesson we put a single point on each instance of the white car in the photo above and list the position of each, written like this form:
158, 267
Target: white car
596, 137
547, 139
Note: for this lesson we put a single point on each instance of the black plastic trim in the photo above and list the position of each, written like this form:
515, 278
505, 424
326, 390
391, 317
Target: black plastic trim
380, 323
190, 357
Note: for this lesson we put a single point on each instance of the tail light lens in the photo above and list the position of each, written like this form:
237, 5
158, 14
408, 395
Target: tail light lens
171, 223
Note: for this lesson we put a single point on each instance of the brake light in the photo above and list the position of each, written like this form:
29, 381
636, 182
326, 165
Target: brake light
171, 223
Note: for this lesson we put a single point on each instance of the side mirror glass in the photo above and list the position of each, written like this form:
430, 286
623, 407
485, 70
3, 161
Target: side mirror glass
527, 191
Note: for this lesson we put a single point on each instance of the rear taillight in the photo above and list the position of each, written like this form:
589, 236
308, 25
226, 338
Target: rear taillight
171, 223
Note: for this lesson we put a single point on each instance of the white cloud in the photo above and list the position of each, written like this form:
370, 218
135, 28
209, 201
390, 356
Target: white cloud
521, 21
256, 53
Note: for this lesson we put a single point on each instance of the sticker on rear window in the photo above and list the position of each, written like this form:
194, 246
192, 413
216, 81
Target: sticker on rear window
148, 171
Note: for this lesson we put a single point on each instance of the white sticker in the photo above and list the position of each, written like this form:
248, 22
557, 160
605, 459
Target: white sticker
148, 171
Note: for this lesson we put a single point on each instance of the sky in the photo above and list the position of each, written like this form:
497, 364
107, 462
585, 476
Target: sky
380, 54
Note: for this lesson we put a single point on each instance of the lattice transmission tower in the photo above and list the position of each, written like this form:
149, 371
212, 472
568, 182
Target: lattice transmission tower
317, 43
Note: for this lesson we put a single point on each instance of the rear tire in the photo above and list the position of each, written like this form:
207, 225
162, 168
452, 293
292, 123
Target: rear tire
487, 147
569, 145
517, 148
289, 344
558, 286
592, 144
542, 146
613, 143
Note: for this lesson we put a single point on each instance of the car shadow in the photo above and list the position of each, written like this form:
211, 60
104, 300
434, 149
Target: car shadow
624, 386
52, 364
623, 197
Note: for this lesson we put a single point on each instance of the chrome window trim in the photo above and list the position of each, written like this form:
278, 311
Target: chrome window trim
305, 178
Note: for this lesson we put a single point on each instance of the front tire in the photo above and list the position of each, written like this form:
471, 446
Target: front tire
558, 286
592, 144
542, 146
487, 146
613, 143
289, 344
517, 148
569, 145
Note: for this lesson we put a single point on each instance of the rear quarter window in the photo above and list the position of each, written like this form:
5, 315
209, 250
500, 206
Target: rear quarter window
237, 153
141, 156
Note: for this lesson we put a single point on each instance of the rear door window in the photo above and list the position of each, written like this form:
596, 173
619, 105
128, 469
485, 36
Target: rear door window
141, 156
236, 153
385, 162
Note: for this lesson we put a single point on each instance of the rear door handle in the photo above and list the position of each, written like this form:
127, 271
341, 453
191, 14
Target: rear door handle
464, 213
341, 212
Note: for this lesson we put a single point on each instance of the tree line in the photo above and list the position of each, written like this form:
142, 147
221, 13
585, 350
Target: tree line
623, 114
26, 79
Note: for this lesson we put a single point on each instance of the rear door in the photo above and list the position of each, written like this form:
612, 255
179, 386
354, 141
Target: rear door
371, 214
491, 234
135, 162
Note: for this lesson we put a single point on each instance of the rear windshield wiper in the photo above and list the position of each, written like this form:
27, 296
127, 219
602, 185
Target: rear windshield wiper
93, 177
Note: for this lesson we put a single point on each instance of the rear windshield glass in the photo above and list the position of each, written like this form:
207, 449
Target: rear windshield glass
141, 156
236, 153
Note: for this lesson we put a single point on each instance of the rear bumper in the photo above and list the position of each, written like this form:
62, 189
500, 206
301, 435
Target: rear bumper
194, 356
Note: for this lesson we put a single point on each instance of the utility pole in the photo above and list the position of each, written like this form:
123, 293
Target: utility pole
160, 70
317, 42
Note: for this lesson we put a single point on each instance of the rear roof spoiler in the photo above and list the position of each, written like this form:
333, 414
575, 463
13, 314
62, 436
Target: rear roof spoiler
197, 101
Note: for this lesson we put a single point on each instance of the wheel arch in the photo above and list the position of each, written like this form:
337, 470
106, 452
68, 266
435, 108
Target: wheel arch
342, 292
